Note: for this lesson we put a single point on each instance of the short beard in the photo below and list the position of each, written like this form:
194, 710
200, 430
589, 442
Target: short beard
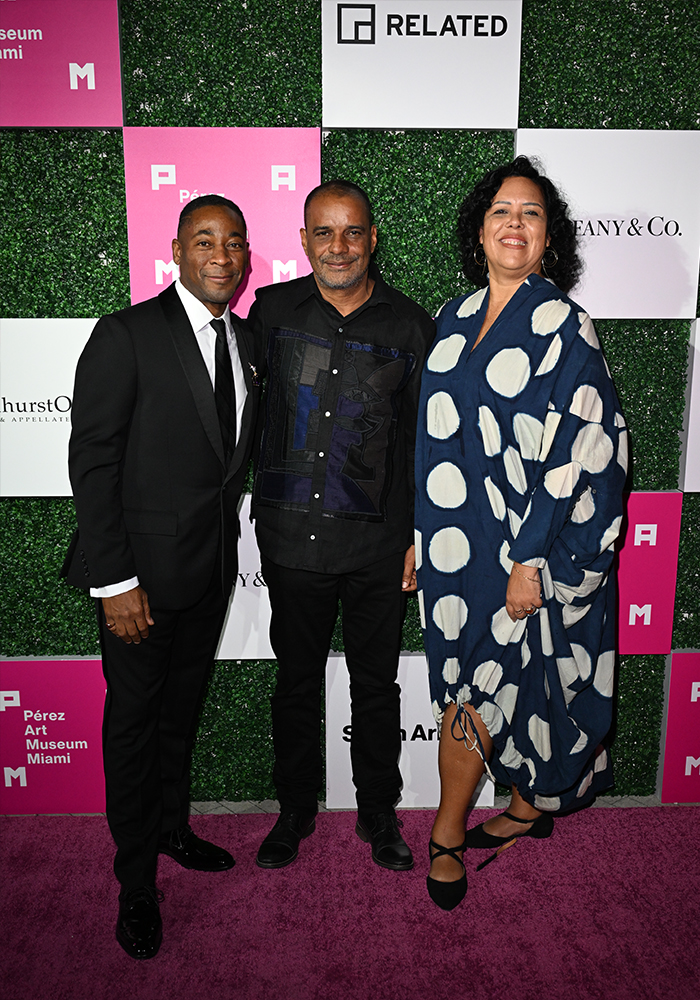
342, 281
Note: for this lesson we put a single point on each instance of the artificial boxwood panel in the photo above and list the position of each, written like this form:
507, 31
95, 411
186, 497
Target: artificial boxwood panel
63, 245
229, 62
648, 360
623, 64
686, 618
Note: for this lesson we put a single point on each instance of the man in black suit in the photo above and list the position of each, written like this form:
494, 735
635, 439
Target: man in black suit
163, 417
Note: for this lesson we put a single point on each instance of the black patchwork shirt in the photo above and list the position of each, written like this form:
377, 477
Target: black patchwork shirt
334, 484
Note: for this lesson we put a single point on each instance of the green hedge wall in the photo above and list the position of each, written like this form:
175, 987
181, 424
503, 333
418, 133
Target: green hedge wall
63, 252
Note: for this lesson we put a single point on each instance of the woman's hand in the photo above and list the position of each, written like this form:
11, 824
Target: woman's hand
524, 594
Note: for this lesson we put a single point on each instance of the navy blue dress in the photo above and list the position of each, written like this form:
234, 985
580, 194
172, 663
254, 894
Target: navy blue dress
522, 457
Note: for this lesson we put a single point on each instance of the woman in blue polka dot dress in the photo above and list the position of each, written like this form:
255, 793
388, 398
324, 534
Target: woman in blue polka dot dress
520, 466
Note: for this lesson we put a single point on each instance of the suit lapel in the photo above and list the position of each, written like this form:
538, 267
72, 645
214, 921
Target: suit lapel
193, 366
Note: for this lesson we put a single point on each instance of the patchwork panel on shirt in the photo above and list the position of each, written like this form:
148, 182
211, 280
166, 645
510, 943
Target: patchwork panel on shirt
354, 473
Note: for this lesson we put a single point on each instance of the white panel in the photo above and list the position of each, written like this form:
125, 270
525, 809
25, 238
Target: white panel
37, 370
246, 634
419, 748
421, 64
690, 459
634, 195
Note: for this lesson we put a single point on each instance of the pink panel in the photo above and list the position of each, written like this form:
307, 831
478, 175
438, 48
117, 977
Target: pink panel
681, 780
50, 736
647, 573
39, 40
266, 171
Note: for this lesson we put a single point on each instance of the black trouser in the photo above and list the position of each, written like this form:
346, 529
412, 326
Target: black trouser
304, 610
154, 693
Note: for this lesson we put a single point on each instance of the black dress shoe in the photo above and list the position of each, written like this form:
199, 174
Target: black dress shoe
139, 927
281, 845
191, 851
389, 849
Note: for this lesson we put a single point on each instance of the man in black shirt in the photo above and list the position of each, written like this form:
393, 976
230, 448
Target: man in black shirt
333, 503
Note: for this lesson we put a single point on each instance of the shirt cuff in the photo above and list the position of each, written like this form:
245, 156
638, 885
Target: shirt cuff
114, 589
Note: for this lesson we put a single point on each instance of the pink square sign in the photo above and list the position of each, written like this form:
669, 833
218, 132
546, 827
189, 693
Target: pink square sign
50, 736
59, 63
647, 572
267, 172
681, 778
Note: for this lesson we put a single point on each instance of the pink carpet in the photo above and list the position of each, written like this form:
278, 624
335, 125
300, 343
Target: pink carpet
607, 909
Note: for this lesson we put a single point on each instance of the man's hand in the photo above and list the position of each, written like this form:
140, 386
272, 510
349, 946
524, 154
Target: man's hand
128, 615
408, 580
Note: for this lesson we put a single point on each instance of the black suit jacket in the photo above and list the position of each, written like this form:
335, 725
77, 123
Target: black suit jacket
152, 493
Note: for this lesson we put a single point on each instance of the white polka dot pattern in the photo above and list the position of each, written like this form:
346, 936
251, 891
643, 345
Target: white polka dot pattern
587, 331
498, 504
509, 372
487, 676
450, 615
561, 482
515, 472
446, 487
592, 448
550, 359
538, 731
490, 431
449, 550
587, 404
450, 670
446, 353
442, 418
472, 304
549, 316
528, 433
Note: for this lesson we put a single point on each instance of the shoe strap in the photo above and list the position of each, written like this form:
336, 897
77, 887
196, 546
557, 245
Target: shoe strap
516, 819
447, 851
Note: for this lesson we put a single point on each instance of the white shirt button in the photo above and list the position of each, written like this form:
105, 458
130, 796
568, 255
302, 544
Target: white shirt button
316, 496
340, 329
335, 371
328, 413
312, 537
321, 454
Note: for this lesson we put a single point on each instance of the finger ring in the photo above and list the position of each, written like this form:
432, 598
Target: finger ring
110, 625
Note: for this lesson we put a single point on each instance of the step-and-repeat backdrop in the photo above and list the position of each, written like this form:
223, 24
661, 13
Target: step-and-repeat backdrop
413, 65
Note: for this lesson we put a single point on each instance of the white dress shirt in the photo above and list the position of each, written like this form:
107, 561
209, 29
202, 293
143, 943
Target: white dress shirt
200, 320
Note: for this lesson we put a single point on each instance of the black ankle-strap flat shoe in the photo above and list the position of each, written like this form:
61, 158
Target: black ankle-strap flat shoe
447, 895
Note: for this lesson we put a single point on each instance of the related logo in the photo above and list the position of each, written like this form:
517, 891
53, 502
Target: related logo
356, 23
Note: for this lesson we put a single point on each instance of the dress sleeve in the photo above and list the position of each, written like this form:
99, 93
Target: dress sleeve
582, 465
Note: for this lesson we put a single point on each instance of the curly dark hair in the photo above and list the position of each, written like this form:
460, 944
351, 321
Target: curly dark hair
560, 228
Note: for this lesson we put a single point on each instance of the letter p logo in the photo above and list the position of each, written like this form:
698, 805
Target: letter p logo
9, 699
162, 173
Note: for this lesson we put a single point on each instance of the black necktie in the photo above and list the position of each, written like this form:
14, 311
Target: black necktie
224, 391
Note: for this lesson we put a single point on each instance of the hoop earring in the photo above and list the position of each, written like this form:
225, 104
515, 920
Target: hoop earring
480, 263
551, 264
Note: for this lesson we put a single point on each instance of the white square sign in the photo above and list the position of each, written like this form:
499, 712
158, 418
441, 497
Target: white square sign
37, 364
424, 64
419, 746
246, 634
636, 201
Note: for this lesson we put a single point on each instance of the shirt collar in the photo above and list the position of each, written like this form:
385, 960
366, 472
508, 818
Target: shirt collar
307, 287
197, 313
